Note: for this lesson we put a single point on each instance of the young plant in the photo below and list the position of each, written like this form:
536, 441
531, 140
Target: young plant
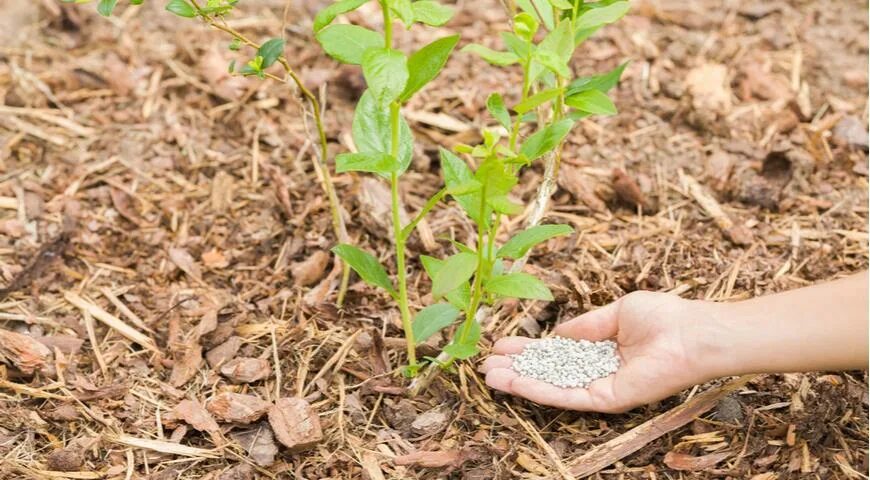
271, 52
551, 99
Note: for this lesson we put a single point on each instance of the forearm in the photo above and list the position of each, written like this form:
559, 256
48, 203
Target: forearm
822, 327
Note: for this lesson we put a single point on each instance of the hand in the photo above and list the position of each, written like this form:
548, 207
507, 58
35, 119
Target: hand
660, 345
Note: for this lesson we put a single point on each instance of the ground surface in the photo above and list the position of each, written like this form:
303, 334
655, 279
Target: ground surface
189, 196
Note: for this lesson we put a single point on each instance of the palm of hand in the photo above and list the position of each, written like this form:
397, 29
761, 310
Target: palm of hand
655, 359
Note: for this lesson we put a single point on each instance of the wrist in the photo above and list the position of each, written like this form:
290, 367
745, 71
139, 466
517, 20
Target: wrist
712, 341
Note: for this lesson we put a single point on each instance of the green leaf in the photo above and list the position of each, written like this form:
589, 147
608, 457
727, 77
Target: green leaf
379, 163
466, 348
457, 173
270, 50
235, 45
328, 14
603, 82
456, 270
431, 13
348, 43
503, 204
425, 64
537, 9
561, 4
495, 178
518, 285
517, 46
460, 297
365, 265
461, 351
464, 188
403, 10
521, 243
596, 17
553, 61
495, 105
560, 41
492, 56
592, 101
546, 139
525, 26
105, 7
532, 102
386, 73
371, 130
181, 8
431, 319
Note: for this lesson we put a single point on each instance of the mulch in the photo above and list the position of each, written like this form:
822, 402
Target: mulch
164, 242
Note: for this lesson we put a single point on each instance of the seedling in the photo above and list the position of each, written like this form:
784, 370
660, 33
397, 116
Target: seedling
479, 178
475, 275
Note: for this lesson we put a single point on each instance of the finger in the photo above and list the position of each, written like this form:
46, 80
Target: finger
501, 379
548, 394
595, 326
495, 361
510, 345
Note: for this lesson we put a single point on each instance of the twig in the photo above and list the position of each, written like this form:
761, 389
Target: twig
633, 440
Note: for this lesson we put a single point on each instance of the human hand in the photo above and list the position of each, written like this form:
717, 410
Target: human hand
663, 343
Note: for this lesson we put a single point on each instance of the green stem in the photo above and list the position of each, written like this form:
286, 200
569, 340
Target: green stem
477, 286
399, 239
388, 25
430, 204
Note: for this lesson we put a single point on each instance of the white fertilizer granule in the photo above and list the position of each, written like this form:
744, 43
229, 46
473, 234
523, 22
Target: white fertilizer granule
565, 362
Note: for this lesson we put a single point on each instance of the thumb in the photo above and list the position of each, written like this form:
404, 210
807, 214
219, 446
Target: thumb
595, 326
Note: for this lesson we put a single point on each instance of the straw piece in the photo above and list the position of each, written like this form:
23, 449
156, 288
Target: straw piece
110, 320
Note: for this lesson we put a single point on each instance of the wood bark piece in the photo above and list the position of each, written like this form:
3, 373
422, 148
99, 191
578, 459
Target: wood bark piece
295, 423
25, 352
112, 321
738, 234
606, 454
237, 407
246, 369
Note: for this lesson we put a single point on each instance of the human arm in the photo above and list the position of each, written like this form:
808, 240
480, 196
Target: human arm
667, 343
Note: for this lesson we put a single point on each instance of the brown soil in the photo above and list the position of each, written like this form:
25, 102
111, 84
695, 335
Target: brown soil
190, 198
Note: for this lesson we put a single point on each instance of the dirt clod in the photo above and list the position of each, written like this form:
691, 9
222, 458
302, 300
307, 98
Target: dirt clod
65, 460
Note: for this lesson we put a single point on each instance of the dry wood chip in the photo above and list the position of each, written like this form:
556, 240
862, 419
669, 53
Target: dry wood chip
246, 369
708, 85
223, 352
436, 459
626, 189
242, 471
193, 413
259, 443
25, 352
430, 423
214, 259
310, 270
185, 261
581, 187
66, 412
237, 407
65, 460
685, 462
295, 423
186, 365
65, 343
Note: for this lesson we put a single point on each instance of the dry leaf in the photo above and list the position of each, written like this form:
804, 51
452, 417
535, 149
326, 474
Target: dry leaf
259, 443
186, 365
246, 369
295, 423
214, 259
310, 270
223, 352
531, 465
23, 351
437, 459
682, 461
237, 407
185, 262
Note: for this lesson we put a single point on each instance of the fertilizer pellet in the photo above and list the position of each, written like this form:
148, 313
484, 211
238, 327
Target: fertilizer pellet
567, 363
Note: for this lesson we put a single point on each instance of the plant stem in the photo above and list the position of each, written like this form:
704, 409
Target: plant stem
430, 204
320, 163
477, 286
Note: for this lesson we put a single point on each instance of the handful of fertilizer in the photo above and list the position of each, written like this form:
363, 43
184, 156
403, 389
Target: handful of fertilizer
567, 363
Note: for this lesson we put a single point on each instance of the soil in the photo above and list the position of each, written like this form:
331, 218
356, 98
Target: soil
136, 173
